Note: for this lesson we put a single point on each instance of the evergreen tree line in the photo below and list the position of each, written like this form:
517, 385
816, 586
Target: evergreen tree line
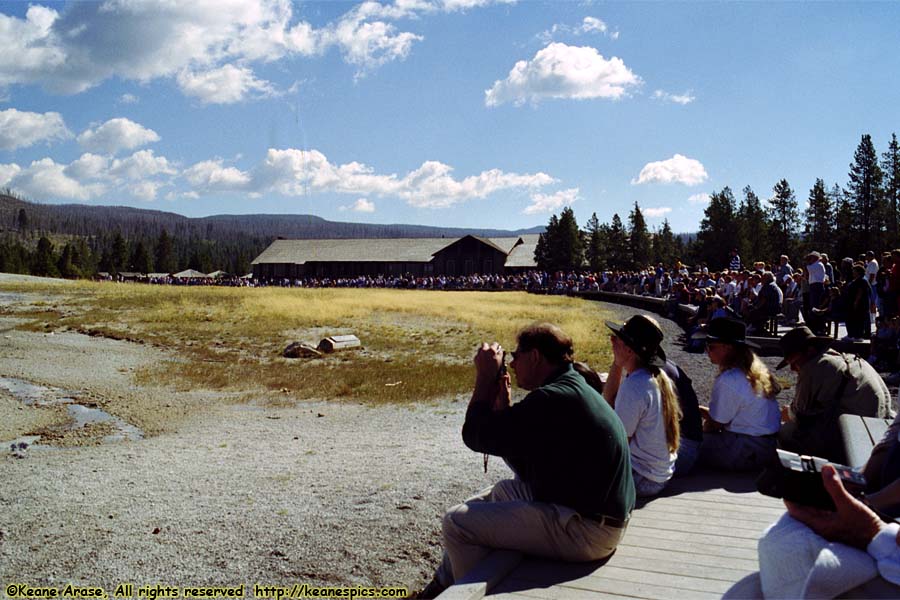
601, 246
114, 253
840, 221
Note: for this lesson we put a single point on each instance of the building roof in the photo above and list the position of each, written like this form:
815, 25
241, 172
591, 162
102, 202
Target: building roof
522, 256
381, 250
190, 274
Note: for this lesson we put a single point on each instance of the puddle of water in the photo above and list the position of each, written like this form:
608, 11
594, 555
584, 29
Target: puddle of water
84, 415
37, 395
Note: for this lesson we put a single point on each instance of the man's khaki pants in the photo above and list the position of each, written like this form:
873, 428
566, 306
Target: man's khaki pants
506, 517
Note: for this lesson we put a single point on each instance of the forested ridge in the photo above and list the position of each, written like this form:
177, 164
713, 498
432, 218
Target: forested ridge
75, 240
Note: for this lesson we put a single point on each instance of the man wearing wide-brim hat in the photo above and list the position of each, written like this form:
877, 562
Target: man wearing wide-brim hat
829, 384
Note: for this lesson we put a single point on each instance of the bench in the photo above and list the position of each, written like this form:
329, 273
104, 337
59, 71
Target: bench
860, 434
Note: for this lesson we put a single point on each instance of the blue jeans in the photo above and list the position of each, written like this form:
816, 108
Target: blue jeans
737, 451
688, 453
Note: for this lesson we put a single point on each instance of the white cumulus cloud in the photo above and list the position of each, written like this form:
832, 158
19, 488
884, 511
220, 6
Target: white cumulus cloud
361, 205
20, 129
212, 175
116, 135
46, 180
678, 169
225, 85
562, 71
663, 96
140, 165
657, 212
129, 99
295, 172
547, 203
8, 172
88, 166
699, 199
86, 43
591, 24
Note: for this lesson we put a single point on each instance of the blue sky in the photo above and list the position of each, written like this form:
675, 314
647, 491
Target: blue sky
469, 113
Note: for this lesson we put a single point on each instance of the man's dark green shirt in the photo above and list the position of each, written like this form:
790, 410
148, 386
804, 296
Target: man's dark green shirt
565, 441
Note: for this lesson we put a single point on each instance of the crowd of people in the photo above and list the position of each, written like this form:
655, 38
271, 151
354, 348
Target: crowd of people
642, 424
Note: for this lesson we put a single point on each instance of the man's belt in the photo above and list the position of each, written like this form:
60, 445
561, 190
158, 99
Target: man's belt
611, 521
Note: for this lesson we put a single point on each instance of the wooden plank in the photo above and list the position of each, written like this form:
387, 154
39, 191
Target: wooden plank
493, 568
716, 512
673, 566
464, 591
706, 560
716, 530
557, 592
691, 536
680, 544
719, 522
730, 501
544, 572
876, 428
773, 508
584, 589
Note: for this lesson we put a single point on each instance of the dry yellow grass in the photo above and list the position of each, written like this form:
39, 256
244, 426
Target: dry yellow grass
417, 344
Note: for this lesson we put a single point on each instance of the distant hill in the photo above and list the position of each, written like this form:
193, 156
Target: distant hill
83, 220
75, 240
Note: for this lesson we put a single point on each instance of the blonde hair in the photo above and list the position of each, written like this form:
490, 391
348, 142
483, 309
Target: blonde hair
758, 374
671, 408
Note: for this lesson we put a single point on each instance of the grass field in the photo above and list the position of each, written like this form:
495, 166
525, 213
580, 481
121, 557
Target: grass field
417, 344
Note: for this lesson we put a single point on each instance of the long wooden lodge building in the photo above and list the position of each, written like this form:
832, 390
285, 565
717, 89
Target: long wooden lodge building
417, 256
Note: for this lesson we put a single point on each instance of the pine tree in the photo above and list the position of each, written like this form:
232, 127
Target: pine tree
718, 230
22, 221
890, 167
819, 217
785, 218
617, 245
864, 191
567, 250
141, 261
118, 254
43, 261
542, 251
845, 242
753, 242
664, 246
594, 244
165, 253
67, 263
638, 238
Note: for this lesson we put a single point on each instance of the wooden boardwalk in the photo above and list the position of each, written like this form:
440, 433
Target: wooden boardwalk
695, 541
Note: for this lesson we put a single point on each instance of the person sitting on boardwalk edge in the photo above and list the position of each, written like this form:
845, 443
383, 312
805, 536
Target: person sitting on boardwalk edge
829, 384
573, 493
645, 399
743, 415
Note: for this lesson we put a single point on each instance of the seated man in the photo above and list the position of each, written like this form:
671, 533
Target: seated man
829, 384
573, 493
767, 304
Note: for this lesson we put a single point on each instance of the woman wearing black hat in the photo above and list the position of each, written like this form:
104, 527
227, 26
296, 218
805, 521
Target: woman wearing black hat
644, 398
743, 417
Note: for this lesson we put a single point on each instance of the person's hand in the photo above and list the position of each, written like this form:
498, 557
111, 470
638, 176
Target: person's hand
502, 399
488, 359
852, 523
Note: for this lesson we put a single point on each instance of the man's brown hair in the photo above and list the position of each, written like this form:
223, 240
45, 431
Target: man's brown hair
548, 339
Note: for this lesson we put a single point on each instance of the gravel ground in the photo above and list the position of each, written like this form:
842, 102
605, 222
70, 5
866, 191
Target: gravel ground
325, 493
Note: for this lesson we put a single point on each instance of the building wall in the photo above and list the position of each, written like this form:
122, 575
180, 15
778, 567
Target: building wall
469, 256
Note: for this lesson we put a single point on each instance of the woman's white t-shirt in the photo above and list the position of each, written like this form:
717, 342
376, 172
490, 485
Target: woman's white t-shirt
739, 408
639, 406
